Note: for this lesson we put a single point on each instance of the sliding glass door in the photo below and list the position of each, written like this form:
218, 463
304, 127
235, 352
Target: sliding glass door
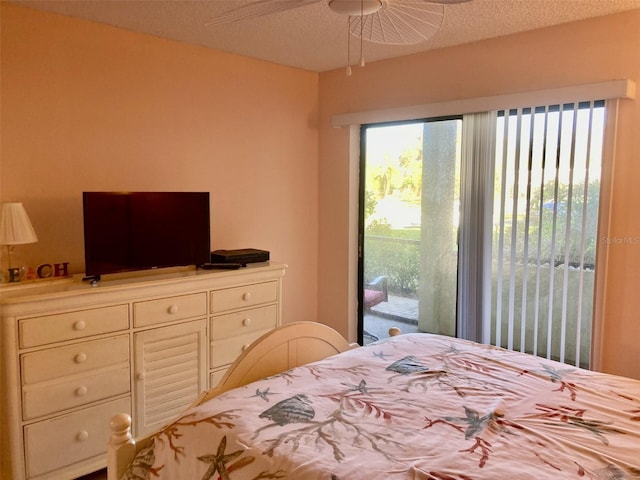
484, 227
410, 226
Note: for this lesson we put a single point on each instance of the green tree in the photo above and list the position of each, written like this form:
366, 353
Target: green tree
543, 218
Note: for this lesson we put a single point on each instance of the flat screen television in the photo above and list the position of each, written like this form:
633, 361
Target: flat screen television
127, 231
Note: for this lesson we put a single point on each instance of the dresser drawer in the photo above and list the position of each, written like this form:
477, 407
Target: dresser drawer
46, 398
64, 440
242, 322
73, 359
68, 326
225, 351
169, 309
242, 297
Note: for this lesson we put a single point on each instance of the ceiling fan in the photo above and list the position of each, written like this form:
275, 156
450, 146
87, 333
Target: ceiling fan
392, 22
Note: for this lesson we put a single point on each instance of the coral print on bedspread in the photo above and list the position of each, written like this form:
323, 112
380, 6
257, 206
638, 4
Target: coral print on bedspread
416, 406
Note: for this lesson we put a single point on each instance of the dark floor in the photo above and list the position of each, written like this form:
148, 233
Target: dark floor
99, 475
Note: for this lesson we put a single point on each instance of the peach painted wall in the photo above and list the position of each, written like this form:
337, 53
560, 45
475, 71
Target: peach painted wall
589, 51
88, 107
91, 107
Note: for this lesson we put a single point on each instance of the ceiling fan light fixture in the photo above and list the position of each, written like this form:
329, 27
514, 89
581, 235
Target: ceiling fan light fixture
355, 7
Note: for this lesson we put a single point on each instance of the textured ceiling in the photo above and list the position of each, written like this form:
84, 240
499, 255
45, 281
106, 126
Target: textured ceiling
312, 37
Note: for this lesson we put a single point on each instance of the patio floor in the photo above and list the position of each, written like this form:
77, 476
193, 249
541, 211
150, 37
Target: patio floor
401, 308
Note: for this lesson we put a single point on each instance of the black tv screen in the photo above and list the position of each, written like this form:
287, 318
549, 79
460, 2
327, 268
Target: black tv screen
126, 231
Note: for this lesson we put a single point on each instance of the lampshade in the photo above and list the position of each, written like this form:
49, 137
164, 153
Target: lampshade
15, 226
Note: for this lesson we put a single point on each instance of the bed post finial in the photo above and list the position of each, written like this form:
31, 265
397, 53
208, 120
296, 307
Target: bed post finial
121, 447
393, 331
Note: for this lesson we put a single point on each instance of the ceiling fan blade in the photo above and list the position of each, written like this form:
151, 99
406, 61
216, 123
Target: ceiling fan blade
449, 2
399, 22
258, 9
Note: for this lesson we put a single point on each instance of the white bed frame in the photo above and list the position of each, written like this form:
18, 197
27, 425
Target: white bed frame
275, 352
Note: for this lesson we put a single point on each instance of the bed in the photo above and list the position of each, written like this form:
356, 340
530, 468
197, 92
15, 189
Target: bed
413, 406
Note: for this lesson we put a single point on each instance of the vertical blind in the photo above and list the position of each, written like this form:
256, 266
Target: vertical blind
545, 210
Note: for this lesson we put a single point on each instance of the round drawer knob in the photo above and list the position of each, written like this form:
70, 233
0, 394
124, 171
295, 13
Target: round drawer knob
81, 391
80, 358
140, 376
246, 322
173, 309
79, 325
244, 347
246, 296
82, 435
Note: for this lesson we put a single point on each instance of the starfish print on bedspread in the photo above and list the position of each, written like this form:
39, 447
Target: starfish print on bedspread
220, 460
220, 463
142, 468
381, 355
358, 398
361, 387
263, 394
171, 431
475, 427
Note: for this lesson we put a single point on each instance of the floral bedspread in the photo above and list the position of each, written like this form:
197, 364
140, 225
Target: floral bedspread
416, 406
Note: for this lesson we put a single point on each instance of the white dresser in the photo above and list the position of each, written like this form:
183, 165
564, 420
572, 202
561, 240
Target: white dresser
74, 354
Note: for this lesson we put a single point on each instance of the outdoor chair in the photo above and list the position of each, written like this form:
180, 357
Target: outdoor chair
375, 292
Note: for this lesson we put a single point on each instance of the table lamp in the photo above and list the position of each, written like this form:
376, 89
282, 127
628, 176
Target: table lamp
15, 229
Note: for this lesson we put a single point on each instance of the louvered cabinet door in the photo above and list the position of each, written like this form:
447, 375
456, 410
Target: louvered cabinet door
170, 372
